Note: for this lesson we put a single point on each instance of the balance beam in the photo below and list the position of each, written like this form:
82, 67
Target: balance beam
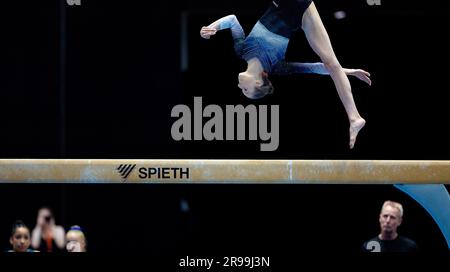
224, 171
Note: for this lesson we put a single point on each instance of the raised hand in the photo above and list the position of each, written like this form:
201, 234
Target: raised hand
206, 32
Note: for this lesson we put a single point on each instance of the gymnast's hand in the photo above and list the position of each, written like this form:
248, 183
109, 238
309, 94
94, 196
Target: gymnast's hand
360, 74
206, 32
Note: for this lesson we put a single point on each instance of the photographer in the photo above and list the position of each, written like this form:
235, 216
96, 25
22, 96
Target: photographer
47, 236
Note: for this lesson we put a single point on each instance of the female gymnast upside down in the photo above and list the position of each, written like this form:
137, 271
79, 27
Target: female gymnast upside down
265, 47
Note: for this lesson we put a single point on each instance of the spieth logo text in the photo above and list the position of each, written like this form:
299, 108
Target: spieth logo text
155, 173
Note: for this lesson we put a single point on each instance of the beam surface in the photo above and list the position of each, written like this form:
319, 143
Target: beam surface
224, 171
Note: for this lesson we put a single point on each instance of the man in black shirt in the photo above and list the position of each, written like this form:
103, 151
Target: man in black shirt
389, 240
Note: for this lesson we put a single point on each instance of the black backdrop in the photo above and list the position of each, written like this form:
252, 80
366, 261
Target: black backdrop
104, 86
127, 219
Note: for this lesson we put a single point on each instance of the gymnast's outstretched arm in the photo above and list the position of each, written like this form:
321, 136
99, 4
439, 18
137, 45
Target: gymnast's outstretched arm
286, 68
226, 22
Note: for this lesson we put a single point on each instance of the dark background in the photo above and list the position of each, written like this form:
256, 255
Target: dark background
266, 220
100, 80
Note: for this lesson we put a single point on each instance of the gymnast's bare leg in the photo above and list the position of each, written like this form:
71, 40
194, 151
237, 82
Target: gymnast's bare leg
319, 41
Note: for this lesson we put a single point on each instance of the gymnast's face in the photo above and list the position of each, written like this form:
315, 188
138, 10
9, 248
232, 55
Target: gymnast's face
75, 242
20, 240
248, 84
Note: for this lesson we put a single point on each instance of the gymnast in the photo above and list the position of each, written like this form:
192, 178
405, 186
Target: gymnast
265, 47
20, 238
76, 240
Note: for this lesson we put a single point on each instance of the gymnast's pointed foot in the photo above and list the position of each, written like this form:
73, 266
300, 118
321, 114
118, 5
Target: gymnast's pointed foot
355, 127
